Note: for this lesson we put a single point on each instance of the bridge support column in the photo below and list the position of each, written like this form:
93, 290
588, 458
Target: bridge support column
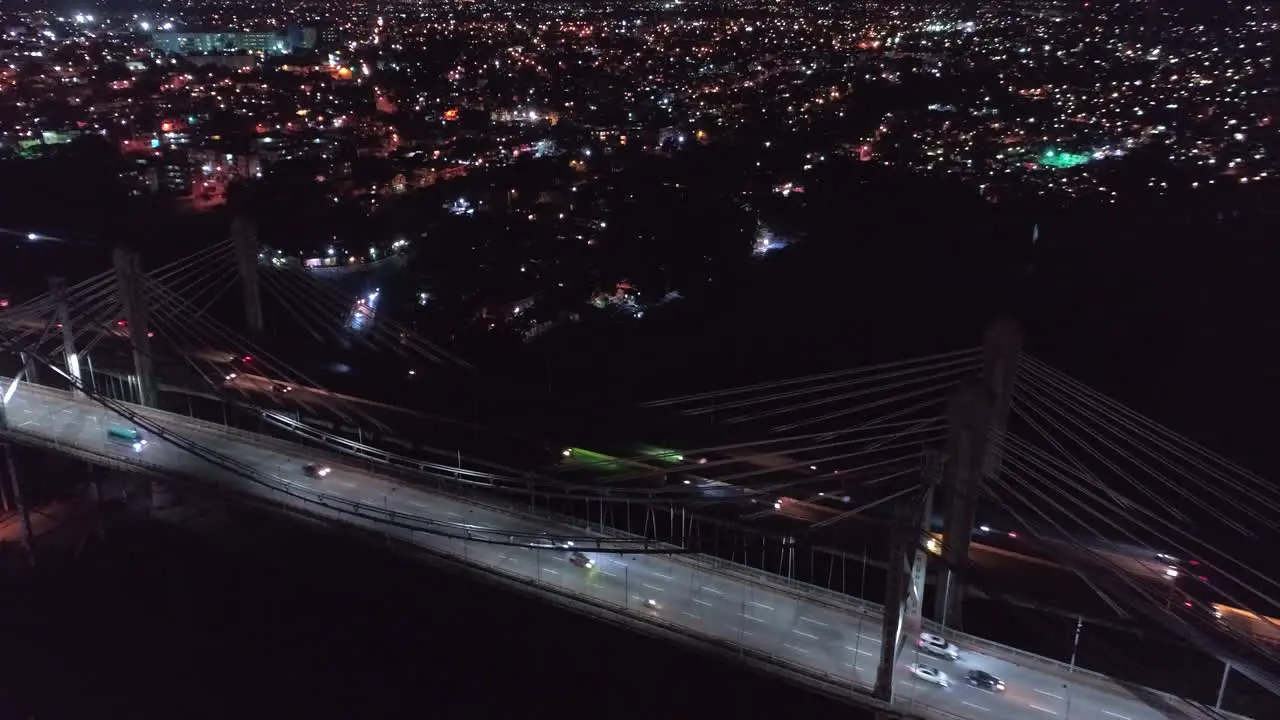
136, 311
244, 236
900, 586
978, 413
59, 288
16, 489
30, 367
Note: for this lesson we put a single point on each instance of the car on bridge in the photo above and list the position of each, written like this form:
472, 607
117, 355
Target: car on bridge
938, 645
126, 436
581, 560
984, 680
931, 674
316, 471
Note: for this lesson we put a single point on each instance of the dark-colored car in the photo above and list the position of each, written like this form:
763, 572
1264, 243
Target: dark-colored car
985, 680
315, 471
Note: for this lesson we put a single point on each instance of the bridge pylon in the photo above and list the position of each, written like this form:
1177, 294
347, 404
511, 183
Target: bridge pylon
904, 582
244, 238
58, 286
977, 414
130, 281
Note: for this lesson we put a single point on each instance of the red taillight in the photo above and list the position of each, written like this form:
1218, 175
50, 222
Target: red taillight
121, 323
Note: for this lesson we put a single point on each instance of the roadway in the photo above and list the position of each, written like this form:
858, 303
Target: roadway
819, 635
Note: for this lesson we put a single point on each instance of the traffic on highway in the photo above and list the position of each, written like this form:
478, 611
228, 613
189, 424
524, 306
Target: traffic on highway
821, 635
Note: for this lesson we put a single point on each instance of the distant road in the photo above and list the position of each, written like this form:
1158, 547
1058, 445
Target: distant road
838, 638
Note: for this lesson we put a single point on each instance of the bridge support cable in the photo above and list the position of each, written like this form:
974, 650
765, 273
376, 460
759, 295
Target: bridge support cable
1026, 410
914, 444
211, 331
946, 379
1139, 442
967, 355
326, 296
215, 254
870, 383
1203, 458
201, 288
383, 333
772, 491
1156, 701
774, 452
1067, 407
1176, 537
1252, 658
44, 303
308, 315
210, 327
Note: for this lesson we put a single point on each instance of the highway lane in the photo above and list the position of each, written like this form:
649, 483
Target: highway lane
841, 643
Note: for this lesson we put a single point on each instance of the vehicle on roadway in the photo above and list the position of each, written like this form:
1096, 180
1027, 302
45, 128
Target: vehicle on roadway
652, 604
316, 471
281, 388
931, 674
581, 560
984, 680
938, 645
126, 436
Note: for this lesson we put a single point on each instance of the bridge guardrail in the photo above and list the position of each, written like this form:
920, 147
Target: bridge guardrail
378, 514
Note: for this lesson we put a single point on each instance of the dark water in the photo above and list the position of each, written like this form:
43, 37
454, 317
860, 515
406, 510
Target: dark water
273, 620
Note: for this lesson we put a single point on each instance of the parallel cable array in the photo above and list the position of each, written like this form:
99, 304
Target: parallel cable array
1088, 476
322, 310
833, 399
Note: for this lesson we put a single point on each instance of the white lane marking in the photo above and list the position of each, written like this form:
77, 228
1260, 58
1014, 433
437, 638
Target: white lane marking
711, 590
507, 558
1045, 692
754, 619
975, 707
651, 587
1114, 715
553, 572
606, 572
851, 648
418, 503
1051, 712
695, 617
802, 633
29, 422
797, 649
596, 585
868, 637
560, 559
453, 514
664, 577
759, 605
740, 631
702, 602
811, 620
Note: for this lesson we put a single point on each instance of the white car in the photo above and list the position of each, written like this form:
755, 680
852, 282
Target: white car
931, 675
938, 646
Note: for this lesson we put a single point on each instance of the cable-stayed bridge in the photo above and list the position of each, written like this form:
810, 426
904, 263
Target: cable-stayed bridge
1119, 501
